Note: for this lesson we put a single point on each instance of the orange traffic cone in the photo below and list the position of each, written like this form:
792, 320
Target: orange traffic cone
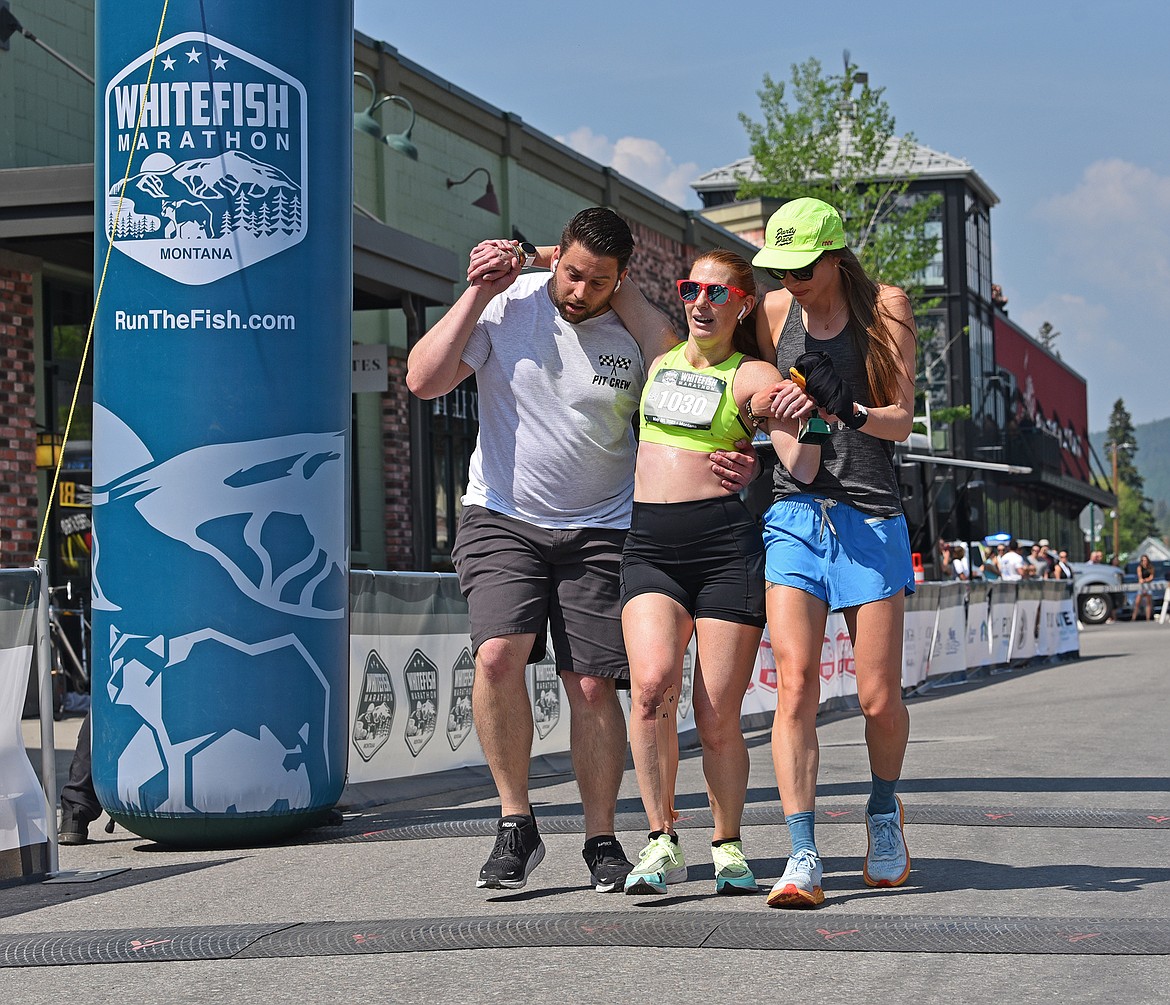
919, 571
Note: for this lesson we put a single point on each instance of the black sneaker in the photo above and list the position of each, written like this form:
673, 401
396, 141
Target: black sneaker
608, 865
72, 830
518, 851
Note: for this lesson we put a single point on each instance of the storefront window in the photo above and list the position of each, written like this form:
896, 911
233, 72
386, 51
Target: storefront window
454, 426
69, 537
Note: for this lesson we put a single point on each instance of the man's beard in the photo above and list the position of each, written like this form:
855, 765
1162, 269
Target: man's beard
559, 302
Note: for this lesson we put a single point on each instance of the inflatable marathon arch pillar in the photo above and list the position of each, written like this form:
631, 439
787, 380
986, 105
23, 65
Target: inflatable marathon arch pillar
221, 415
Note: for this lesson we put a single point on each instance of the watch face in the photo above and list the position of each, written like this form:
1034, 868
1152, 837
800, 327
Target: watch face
528, 248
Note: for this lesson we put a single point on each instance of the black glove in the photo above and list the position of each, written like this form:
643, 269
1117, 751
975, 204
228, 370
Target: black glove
825, 386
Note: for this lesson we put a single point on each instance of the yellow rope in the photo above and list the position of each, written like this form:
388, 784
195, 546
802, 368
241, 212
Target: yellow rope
98, 295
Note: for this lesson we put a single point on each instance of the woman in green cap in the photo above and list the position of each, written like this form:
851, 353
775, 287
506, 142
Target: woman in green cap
841, 542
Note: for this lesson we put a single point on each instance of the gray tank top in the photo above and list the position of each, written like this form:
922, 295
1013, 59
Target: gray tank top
856, 468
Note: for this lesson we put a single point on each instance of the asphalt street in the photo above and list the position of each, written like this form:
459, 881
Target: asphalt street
1038, 820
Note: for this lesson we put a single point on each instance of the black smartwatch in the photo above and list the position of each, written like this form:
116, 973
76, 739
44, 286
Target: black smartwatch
858, 418
527, 252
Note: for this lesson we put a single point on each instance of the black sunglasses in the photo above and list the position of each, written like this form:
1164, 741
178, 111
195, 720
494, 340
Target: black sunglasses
803, 274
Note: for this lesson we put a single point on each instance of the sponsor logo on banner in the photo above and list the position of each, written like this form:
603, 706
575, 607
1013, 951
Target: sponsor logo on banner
459, 720
767, 673
220, 160
845, 662
422, 698
375, 709
909, 649
687, 692
828, 659
546, 696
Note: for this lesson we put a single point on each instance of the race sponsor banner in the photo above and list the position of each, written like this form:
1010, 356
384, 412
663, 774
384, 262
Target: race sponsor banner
1046, 627
846, 670
546, 696
1068, 638
422, 700
1026, 617
765, 669
761, 689
459, 721
374, 716
406, 623
948, 651
405, 725
830, 681
1057, 630
1003, 619
917, 634
978, 625
686, 697
23, 819
221, 450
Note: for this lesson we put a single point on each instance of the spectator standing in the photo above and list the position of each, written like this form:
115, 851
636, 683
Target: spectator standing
1036, 567
1145, 580
960, 566
1048, 557
1011, 563
991, 564
79, 801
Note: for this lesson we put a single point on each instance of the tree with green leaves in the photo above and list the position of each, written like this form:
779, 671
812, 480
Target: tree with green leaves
1047, 336
832, 137
1121, 434
1135, 515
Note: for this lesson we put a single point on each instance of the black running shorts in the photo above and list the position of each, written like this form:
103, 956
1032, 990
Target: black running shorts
708, 555
519, 578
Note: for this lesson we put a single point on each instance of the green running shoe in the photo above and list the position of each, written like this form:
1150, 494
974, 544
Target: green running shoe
732, 872
660, 864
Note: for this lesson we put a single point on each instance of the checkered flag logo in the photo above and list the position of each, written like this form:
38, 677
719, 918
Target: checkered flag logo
614, 363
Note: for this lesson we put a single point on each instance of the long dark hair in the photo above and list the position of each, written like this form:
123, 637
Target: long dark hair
743, 339
877, 346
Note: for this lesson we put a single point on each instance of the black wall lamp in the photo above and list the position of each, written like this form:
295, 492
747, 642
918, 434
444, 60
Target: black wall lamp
10, 26
488, 200
364, 121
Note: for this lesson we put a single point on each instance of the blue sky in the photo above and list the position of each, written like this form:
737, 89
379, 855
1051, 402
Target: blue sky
1061, 109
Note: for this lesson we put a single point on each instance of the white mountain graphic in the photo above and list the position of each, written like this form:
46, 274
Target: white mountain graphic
206, 178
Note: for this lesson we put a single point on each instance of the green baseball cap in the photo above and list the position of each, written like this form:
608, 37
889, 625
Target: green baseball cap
798, 232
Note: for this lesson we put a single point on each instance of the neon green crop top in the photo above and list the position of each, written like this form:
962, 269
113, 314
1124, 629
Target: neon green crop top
691, 409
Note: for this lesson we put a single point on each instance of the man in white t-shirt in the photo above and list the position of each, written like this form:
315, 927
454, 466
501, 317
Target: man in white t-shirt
1011, 563
548, 504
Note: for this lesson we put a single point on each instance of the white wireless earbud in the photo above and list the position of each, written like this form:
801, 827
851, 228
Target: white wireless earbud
618, 286
742, 312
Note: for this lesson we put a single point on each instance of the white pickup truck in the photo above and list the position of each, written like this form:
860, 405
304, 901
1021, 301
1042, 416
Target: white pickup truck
1100, 591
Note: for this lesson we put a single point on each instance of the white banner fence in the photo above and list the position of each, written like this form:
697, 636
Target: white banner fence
411, 673
28, 821
411, 667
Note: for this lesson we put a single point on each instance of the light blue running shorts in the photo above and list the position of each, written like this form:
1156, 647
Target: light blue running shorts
835, 552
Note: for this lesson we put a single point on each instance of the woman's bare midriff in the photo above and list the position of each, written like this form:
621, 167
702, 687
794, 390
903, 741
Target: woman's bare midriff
669, 474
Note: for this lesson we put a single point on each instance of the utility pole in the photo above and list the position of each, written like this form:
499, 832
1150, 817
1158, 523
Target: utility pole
1117, 505
1116, 509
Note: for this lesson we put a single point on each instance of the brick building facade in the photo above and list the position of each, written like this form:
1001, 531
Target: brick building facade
18, 412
